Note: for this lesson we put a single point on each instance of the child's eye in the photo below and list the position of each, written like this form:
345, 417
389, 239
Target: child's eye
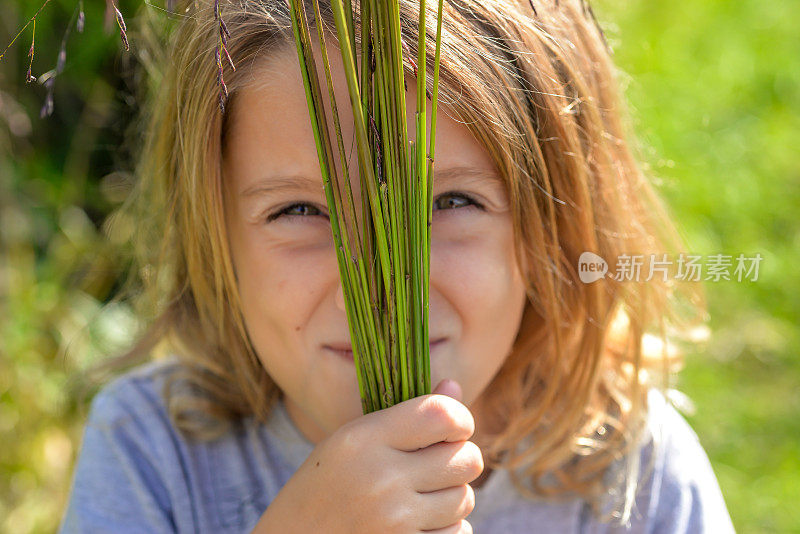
455, 199
298, 209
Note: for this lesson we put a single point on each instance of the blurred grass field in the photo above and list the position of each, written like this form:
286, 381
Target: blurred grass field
714, 87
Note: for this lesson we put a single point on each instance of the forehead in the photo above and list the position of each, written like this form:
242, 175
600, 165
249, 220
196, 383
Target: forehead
270, 130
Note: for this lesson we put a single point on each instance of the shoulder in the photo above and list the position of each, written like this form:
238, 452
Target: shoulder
137, 472
136, 393
132, 411
678, 490
128, 424
127, 475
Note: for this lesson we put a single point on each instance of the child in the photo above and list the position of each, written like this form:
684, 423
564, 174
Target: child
548, 413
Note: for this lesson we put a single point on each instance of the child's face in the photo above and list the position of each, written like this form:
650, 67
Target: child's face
287, 268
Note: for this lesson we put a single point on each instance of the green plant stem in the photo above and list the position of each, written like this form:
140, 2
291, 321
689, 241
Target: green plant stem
384, 263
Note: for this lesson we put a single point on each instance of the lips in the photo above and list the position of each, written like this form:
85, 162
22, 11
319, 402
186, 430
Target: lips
344, 349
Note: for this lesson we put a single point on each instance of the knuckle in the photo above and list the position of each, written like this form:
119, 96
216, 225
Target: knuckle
437, 409
396, 517
474, 457
444, 413
349, 441
390, 483
380, 503
468, 502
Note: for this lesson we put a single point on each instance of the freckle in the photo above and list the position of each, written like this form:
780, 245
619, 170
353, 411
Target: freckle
317, 464
296, 328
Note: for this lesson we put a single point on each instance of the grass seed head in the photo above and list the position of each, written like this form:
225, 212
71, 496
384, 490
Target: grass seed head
47, 107
224, 28
62, 59
28, 76
122, 28
81, 19
228, 57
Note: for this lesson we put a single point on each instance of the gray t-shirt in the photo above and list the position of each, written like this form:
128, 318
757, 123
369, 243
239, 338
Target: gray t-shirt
137, 474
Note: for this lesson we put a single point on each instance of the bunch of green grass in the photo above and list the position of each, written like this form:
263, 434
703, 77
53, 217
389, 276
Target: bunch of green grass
384, 262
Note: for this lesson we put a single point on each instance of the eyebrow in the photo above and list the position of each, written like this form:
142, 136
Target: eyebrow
295, 182
475, 173
303, 183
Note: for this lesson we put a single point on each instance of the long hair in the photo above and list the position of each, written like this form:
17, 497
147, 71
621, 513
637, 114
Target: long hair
537, 88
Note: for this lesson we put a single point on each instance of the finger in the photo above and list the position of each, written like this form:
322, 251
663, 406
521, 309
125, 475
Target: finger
457, 463
462, 527
422, 421
449, 387
443, 508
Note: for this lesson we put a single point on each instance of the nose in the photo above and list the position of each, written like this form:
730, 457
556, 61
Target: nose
340, 298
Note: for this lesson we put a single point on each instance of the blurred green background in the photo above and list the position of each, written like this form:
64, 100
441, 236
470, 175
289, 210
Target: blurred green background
714, 87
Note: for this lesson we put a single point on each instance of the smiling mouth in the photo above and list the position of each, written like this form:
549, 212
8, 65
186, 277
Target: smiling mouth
348, 353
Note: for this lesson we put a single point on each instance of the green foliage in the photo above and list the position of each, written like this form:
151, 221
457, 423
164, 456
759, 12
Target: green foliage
715, 91
715, 88
57, 185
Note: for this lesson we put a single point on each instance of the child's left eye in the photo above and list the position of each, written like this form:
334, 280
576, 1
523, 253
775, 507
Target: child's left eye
451, 204
302, 210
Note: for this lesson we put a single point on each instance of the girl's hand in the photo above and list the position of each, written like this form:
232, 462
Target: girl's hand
405, 469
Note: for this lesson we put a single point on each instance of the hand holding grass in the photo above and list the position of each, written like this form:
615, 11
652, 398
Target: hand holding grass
403, 469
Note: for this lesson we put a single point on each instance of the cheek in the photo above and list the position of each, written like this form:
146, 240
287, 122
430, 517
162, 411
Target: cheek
476, 274
280, 287
479, 284
475, 269
273, 277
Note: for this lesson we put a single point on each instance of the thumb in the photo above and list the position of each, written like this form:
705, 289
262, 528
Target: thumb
448, 387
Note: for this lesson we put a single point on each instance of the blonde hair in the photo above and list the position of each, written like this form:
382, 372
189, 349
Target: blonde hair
539, 91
